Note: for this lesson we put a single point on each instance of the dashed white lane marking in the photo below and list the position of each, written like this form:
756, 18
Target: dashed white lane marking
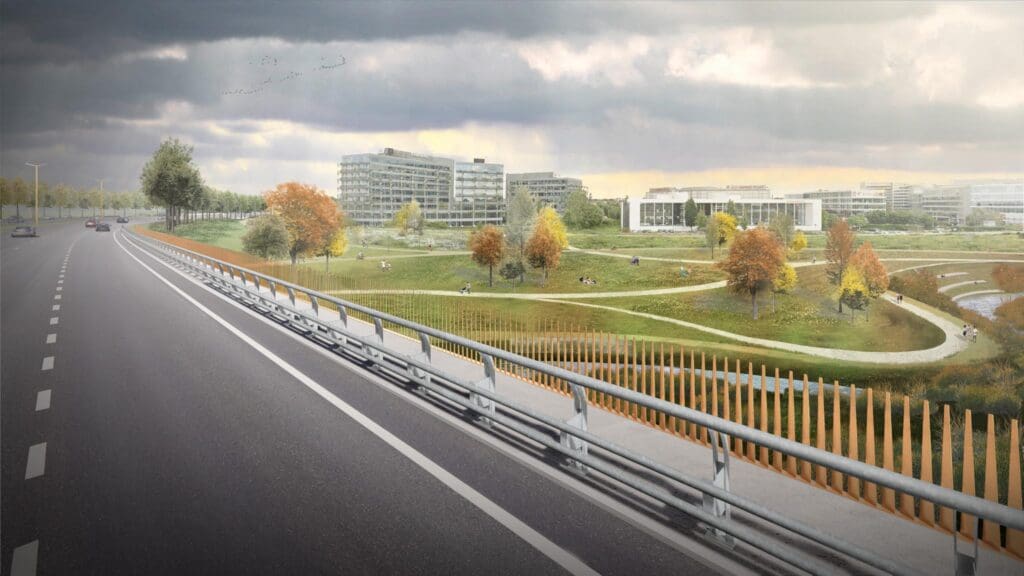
43, 400
48, 363
36, 461
56, 296
55, 307
532, 537
60, 281
59, 288
54, 320
51, 338
25, 558
61, 276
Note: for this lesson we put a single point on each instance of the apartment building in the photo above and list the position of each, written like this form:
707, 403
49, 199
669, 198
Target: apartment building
372, 187
547, 188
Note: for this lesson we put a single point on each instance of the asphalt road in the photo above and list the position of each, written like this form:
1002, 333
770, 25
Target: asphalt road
173, 446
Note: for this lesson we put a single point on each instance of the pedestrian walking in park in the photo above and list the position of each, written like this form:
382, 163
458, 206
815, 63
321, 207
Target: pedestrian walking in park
964, 332
974, 334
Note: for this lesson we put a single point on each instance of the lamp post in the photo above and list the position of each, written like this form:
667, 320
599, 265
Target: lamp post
35, 213
102, 205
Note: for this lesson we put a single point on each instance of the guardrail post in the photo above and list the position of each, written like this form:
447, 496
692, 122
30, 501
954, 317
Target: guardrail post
242, 276
578, 420
291, 294
415, 374
378, 331
256, 283
712, 505
965, 564
343, 316
488, 382
316, 305
273, 289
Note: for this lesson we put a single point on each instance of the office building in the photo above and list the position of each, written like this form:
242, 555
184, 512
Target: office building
1003, 196
372, 187
547, 188
662, 209
898, 197
847, 202
948, 204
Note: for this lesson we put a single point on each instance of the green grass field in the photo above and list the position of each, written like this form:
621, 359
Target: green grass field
223, 233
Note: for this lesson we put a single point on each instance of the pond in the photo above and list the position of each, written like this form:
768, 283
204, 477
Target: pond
986, 304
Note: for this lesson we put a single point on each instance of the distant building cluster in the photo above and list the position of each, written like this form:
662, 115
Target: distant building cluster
373, 187
949, 204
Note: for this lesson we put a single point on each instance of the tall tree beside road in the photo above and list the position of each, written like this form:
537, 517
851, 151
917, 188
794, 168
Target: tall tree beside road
690, 213
309, 214
543, 249
170, 180
838, 249
17, 192
266, 237
754, 261
488, 247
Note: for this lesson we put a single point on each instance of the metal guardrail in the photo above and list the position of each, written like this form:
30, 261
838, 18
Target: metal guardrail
571, 438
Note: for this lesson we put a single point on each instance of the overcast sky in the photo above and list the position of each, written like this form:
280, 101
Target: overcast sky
626, 96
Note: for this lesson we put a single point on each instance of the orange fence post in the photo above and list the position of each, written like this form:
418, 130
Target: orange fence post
989, 528
805, 428
1014, 538
739, 404
763, 452
907, 461
967, 474
870, 489
714, 385
837, 435
660, 418
926, 511
853, 449
819, 471
751, 449
725, 389
636, 370
888, 495
692, 428
777, 421
703, 397
791, 423
671, 422
946, 519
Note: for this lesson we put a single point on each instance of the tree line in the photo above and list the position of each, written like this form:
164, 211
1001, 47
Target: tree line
17, 192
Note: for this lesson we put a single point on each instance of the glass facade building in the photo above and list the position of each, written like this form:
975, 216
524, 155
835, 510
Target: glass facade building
662, 210
546, 188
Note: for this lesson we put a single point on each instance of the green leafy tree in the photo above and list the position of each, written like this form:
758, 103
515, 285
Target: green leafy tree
581, 212
336, 247
782, 226
266, 237
18, 194
701, 221
711, 234
512, 270
690, 213
730, 209
170, 180
520, 218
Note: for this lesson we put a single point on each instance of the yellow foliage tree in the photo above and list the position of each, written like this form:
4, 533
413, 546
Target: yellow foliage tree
726, 226
784, 282
799, 242
555, 226
336, 247
853, 290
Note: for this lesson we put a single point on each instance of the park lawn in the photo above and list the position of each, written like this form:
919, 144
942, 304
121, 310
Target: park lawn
222, 233
808, 316
492, 317
452, 272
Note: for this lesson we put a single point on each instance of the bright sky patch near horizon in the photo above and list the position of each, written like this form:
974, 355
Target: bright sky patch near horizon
627, 96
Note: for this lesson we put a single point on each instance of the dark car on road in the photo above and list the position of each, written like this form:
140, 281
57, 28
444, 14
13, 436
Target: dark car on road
24, 232
122, 219
90, 223
102, 227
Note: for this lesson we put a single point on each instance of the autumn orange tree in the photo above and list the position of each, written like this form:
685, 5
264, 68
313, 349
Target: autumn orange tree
838, 250
488, 248
309, 214
544, 249
753, 263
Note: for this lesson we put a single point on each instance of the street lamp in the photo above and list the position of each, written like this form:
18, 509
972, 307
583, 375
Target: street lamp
35, 213
102, 206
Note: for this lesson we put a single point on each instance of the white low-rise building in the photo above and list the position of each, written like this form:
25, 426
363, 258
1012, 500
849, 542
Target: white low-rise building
663, 209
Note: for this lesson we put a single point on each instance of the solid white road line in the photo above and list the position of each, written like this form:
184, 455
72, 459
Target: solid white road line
51, 338
515, 525
43, 400
55, 307
48, 363
36, 461
54, 320
25, 558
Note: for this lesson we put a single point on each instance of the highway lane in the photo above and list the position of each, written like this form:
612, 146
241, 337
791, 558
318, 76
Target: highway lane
173, 447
